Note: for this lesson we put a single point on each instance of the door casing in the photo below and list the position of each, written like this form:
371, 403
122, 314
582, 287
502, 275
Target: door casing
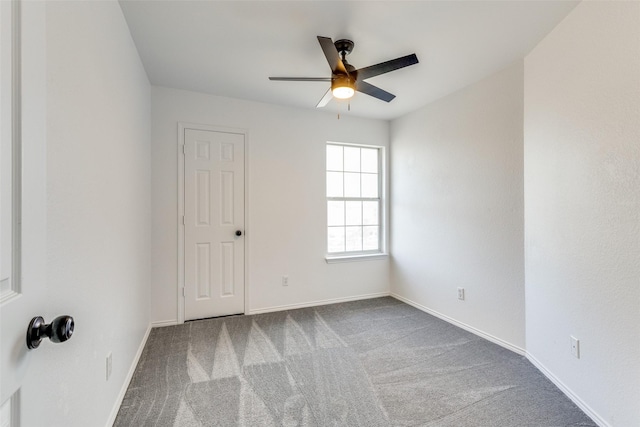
19, 366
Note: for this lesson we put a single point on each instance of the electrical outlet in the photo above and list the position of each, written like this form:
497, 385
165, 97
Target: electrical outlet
285, 280
575, 347
461, 294
109, 365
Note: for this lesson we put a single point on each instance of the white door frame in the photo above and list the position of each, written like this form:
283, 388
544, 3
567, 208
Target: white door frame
181, 259
29, 93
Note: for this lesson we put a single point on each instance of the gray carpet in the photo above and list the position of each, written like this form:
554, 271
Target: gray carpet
376, 362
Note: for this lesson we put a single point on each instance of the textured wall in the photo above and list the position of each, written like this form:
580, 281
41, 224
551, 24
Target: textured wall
457, 206
98, 210
286, 209
582, 199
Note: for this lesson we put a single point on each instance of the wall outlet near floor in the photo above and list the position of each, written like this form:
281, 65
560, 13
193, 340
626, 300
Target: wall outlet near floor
109, 365
285, 280
461, 294
575, 347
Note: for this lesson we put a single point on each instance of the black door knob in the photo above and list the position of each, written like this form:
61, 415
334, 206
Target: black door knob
238, 233
59, 330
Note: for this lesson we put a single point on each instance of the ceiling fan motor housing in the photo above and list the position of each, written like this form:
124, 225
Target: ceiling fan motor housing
340, 80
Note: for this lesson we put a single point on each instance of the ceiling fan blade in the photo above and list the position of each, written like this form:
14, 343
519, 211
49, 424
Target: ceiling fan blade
328, 96
332, 55
301, 79
374, 91
385, 67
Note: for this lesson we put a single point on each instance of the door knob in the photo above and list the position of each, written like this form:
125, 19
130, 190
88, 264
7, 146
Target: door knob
238, 233
59, 330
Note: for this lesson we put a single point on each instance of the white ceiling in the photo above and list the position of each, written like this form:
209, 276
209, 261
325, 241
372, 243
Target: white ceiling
230, 48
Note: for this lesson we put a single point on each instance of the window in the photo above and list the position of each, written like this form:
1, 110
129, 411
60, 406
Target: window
354, 208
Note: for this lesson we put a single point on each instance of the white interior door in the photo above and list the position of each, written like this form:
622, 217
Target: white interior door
214, 223
22, 205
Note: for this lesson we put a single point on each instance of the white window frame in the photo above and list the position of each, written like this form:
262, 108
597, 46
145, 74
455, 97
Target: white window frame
380, 253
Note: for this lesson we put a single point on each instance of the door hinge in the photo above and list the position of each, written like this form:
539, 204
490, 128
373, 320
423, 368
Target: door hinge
184, 292
184, 148
184, 221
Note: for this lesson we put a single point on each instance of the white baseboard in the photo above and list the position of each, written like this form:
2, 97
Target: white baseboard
568, 392
489, 337
127, 380
316, 303
161, 323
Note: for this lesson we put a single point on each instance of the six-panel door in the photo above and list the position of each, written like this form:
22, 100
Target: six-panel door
214, 214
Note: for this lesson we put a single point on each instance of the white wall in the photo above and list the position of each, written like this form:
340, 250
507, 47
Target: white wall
582, 198
286, 211
457, 207
98, 210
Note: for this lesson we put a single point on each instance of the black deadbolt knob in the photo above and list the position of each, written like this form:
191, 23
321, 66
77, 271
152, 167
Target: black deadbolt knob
60, 330
238, 233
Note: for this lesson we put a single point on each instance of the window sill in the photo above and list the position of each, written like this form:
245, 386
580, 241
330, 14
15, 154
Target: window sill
351, 258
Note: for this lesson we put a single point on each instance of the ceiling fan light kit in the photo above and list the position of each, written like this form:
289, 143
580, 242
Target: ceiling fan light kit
345, 78
342, 87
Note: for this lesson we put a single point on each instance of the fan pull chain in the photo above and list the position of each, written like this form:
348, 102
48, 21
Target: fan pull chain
340, 105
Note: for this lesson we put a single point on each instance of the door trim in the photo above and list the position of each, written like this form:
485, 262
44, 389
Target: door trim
182, 126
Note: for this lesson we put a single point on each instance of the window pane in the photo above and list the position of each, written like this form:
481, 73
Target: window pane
370, 160
335, 213
371, 239
354, 213
335, 239
369, 185
334, 184
354, 239
334, 158
370, 213
351, 184
352, 159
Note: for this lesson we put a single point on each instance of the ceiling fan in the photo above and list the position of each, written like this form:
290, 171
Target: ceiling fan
345, 78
